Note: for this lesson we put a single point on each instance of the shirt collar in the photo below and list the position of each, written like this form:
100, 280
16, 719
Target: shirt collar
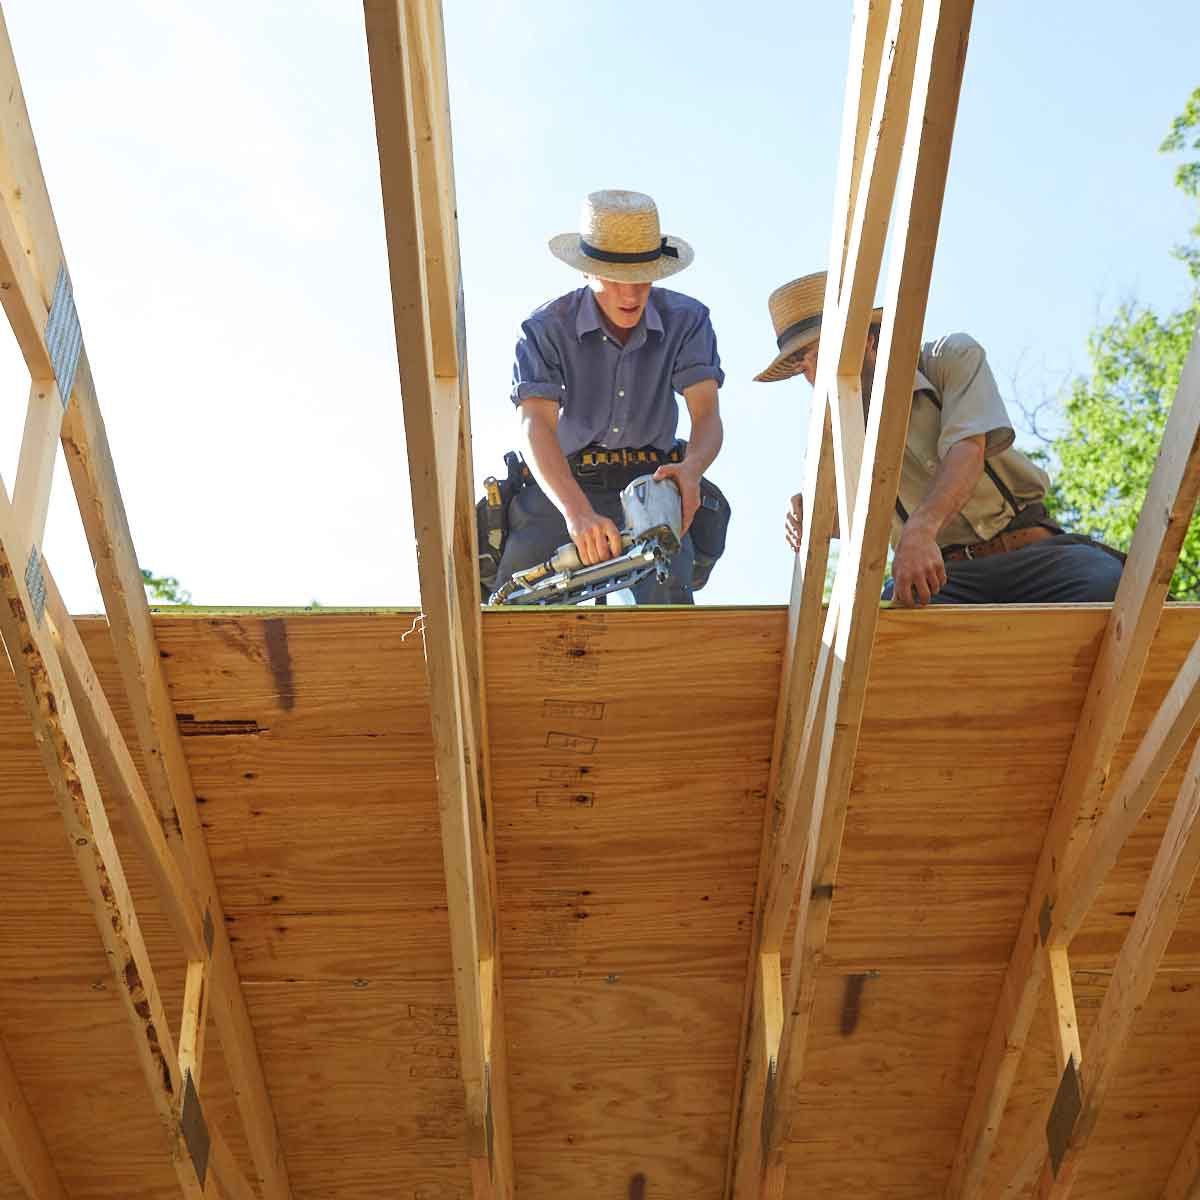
589, 320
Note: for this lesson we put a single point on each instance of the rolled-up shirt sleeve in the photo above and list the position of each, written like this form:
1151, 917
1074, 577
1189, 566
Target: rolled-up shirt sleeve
697, 359
536, 367
971, 402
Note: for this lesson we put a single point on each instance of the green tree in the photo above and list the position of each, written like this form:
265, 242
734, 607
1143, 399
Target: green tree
1114, 417
164, 589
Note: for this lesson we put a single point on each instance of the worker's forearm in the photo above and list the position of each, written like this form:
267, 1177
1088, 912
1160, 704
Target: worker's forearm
952, 485
704, 444
551, 470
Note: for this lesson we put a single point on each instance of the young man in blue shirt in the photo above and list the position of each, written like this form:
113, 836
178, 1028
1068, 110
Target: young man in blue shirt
594, 381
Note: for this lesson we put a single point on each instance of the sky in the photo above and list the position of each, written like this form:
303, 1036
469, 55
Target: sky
215, 179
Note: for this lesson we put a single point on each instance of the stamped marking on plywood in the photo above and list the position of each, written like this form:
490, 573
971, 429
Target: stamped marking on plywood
563, 797
582, 710
577, 742
434, 1069
568, 776
568, 656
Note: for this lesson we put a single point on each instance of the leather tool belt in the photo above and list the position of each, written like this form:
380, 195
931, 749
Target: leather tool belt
1002, 543
598, 456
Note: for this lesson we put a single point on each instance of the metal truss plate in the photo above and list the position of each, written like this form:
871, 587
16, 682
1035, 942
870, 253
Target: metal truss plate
35, 584
1068, 1104
194, 1128
64, 338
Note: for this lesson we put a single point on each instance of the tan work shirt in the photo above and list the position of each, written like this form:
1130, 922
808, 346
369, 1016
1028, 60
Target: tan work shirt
954, 372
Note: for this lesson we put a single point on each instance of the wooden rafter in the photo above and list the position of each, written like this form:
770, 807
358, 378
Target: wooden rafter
404, 39
1166, 514
38, 301
59, 736
916, 58
1167, 889
21, 1143
1184, 1180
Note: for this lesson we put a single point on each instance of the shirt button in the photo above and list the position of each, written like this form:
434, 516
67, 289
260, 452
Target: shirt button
620, 393
616, 429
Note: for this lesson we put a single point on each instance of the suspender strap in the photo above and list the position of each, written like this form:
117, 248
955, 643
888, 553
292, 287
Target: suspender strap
1002, 487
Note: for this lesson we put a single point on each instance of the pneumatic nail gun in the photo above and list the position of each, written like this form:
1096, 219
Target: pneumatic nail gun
650, 537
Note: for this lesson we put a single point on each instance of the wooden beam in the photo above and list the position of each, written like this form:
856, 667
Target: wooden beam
404, 41
1066, 1023
759, 1044
110, 755
844, 335
44, 691
106, 526
1171, 877
1160, 746
35, 467
1170, 502
826, 500
868, 29
924, 167
21, 298
838, 692
1184, 1180
21, 1143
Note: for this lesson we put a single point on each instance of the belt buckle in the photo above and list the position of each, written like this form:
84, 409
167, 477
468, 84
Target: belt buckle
968, 553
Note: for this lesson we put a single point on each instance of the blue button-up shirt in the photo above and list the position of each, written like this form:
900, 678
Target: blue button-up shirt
609, 394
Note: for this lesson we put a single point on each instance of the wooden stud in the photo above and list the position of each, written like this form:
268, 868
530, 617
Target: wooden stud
1170, 502
21, 1143
404, 39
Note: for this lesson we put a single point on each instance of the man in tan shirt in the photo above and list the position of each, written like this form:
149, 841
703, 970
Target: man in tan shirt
970, 526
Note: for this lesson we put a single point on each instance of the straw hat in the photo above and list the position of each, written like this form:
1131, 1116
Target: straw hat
620, 239
796, 310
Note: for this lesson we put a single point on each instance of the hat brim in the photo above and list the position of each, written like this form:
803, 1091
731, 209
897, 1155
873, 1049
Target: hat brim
566, 248
785, 364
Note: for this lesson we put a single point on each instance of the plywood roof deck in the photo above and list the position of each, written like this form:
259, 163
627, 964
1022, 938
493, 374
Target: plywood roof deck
630, 759
336, 820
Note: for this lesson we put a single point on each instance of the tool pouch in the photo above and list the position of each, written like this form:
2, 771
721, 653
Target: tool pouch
491, 520
708, 529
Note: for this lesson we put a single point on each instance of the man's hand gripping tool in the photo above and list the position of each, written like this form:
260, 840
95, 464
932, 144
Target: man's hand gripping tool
650, 537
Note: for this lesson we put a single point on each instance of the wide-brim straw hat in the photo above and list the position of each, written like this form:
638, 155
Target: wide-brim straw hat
619, 238
796, 310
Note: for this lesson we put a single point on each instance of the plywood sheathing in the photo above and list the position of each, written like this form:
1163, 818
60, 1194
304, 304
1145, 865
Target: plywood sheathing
625, 902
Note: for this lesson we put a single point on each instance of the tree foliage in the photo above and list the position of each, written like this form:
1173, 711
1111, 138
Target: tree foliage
1114, 417
164, 589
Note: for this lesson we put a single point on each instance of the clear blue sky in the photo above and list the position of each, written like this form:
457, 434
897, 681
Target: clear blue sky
214, 174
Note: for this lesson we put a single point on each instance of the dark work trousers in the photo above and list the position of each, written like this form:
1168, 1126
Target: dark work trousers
536, 529
1060, 570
